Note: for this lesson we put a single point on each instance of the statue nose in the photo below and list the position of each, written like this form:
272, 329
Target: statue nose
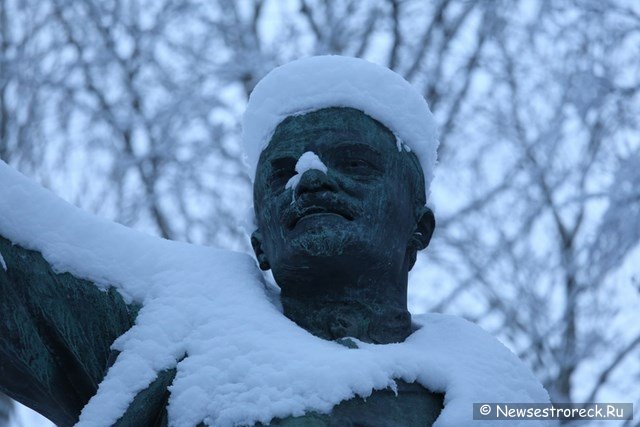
314, 181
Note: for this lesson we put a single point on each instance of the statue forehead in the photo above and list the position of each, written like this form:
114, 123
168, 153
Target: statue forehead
328, 126
321, 129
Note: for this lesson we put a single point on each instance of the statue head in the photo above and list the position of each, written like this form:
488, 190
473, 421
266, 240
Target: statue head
365, 213
342, 153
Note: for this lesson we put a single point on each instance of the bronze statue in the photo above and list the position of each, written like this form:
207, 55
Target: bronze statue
361, 224
342, 250
340, 239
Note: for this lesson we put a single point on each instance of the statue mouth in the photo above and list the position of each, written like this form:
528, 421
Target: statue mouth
311, 208
317, 211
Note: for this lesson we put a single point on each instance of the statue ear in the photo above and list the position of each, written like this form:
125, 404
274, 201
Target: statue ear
422, 234
424, 229
256, 243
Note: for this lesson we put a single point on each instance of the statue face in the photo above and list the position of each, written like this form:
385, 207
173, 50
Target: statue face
360, 215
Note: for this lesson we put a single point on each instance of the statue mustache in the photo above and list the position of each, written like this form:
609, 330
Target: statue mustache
322, 202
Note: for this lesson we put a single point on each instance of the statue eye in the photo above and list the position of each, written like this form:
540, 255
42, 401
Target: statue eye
356, 160
281, 170
282, 173
355, 165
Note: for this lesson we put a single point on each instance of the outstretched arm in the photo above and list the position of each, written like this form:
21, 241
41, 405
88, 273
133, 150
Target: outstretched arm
55, 334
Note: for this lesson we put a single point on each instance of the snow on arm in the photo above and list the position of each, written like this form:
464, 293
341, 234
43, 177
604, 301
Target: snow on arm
2, 263
241, 360
164, 276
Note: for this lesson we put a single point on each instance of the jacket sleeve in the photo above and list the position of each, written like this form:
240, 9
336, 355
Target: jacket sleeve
55, 334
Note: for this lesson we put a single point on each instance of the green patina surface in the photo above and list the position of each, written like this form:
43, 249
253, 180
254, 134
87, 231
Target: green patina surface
55, 335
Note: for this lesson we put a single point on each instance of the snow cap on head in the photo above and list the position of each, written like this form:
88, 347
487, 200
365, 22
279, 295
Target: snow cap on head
318, 82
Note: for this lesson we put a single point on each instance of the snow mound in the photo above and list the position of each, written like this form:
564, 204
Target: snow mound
318, 82
241, 360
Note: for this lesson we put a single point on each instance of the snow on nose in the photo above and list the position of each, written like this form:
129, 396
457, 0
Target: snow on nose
309, 160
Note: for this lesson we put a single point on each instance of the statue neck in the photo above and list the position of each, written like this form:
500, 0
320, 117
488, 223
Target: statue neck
369, 307
331, 320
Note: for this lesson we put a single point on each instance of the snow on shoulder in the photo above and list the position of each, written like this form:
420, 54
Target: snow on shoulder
318, 82
240, 360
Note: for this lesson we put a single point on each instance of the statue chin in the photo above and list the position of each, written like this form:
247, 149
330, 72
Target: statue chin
323, 261
324, 236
